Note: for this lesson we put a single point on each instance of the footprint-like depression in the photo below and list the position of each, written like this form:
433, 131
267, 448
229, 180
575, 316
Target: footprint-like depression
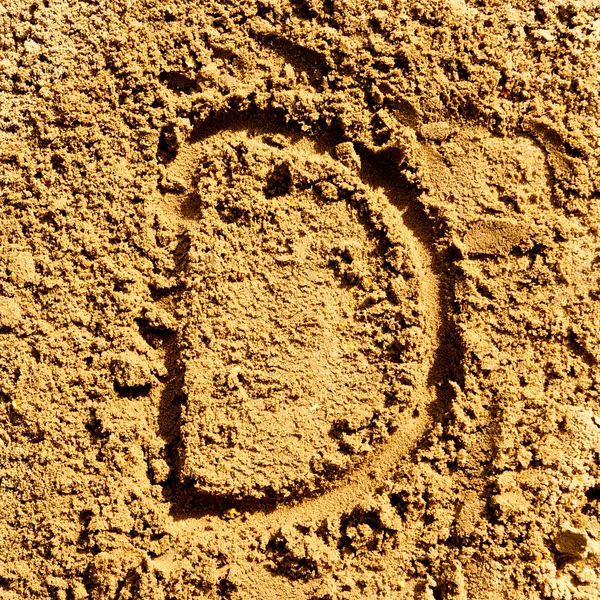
305, 333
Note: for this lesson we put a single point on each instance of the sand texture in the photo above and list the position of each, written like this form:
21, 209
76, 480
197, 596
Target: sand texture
299, 300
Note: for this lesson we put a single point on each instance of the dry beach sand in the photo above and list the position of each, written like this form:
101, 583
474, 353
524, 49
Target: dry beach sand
299, 299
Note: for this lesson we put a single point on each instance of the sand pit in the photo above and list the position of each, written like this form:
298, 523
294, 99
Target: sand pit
299, 300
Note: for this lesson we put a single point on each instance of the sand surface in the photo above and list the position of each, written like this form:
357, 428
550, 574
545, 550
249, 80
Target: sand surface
299, 300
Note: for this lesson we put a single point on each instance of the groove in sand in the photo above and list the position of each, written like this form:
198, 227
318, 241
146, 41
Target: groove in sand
358, 484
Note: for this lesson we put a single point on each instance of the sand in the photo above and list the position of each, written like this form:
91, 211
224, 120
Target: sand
299, 300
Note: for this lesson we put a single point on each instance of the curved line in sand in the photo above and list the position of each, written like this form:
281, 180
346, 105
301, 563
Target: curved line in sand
358, 484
